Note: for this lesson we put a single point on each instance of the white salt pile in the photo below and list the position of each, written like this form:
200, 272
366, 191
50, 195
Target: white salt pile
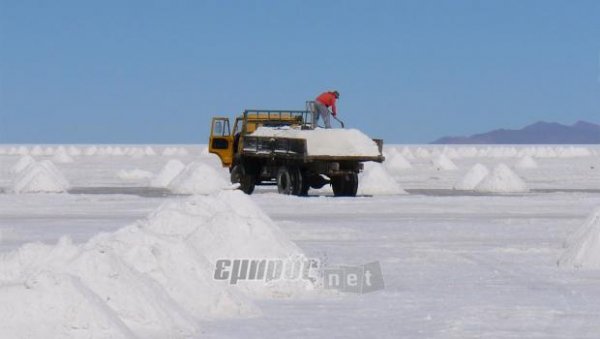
472, 178
117, 151
37, 150
136, 152
135, 174
450, 152
334, 142
198, 178
149, 151
61, 149
22, 163
171, 169
74, 151
22, 150
152, 279
422, 153
375, 180
92, 150
39, 177
61, 156
526, 162
583, 247
502, 180
49, 151
169, 151
212, 160
407, 153
228, 225
443, 163
397, 162
182, 152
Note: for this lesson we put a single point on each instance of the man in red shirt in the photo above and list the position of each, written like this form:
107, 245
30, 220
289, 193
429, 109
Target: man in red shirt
322, 103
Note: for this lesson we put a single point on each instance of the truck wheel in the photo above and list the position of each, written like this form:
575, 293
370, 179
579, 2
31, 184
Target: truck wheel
303, 183
345, 185
286, 181
246, 181
352, 185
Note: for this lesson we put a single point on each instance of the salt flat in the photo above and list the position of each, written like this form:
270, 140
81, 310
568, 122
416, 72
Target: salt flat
455, 264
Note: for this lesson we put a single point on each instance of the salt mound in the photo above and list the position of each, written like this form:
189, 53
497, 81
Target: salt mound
502, 180
37, 150
526, 162
422, 153
22, 150
92, 150
169, 151
407, 153
61, 156
182, 151
61, 149
334, 142
375, 180
212, 160
150, 279
117, 151
171, 169
472, 178
451, 153
22, 163
442, 162
40, 177
131, 277
135, 174
228, 225
74, 151
62, 308
583, 247
198, 178
49, 151
149, 151
136, 152
397, 162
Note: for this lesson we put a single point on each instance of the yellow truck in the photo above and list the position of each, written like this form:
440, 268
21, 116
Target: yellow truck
283, 161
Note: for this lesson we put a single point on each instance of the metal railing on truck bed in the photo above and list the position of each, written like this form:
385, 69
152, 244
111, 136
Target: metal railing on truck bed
277, 118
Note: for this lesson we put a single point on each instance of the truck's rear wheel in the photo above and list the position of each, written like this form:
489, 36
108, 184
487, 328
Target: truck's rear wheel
247, 181
289, 181
285, 181
345, 185
303, 183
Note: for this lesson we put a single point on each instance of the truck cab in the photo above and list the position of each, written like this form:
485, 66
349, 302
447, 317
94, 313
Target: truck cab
225, 142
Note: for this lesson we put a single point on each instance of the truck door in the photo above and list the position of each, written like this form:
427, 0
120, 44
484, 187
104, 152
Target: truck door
221, 140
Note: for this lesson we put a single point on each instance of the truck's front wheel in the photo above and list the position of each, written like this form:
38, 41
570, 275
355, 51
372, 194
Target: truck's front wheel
345, 185
240, 176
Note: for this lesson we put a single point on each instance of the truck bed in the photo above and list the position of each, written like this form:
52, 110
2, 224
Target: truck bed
295, 148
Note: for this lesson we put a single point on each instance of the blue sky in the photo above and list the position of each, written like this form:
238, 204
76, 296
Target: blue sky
408, 71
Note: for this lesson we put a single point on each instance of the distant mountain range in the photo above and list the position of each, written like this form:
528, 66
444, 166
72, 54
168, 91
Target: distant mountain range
581, 132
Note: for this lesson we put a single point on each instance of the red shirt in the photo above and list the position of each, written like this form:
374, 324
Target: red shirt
328, 99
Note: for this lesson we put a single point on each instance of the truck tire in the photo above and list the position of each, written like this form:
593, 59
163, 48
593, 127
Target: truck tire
240, 176
285, 181
345, 185
303, 183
